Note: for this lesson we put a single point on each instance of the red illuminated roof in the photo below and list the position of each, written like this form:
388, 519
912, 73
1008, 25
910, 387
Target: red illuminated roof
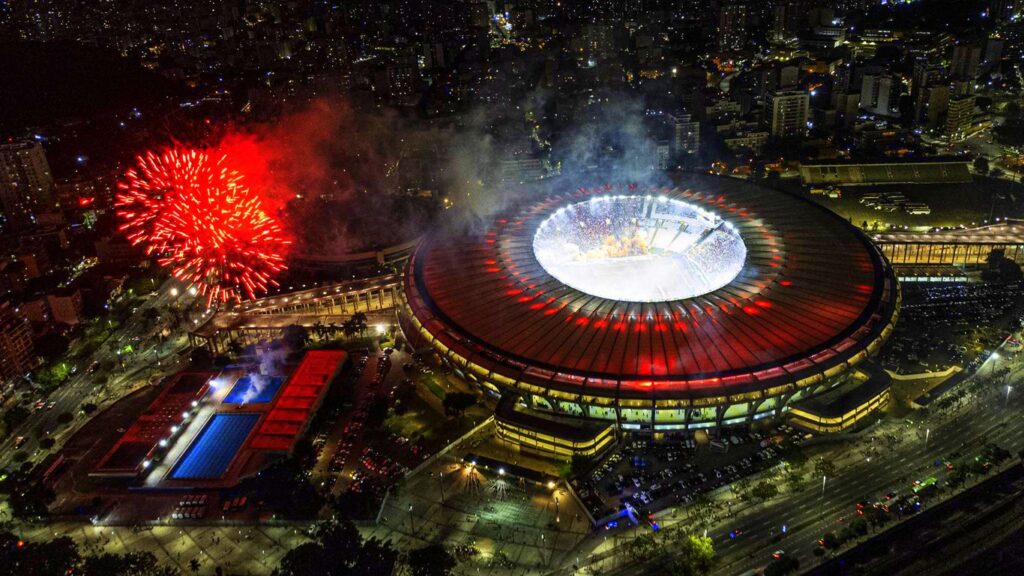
813, 293
297, 401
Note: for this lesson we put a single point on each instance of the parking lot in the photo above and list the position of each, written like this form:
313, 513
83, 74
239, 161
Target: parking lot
651, 475
353, 451
964, 321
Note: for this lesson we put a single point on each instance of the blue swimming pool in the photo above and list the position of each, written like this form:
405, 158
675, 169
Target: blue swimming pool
253, 389
214, 448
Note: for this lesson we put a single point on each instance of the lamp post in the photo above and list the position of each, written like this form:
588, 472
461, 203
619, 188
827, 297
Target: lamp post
927, 432
823, 479
1008, 390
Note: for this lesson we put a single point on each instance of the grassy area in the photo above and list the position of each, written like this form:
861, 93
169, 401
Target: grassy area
432, 384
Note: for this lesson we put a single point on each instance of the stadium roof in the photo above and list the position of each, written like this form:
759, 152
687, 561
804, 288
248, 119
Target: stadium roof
813, 294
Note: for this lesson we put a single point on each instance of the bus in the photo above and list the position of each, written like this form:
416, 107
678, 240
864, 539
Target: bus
921, 485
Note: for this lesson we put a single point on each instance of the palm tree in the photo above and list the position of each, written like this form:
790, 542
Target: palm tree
359, 322
348, 327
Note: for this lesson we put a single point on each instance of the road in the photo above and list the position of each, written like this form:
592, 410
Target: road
811, 513
80, 388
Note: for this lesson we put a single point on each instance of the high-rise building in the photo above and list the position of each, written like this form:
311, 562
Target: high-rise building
780, 32
879, 94
965, 62
26, 185
16, 351
685, 133
730, 25
959, 117
846, 105
925, 75
1002, 10
787, 113
936, 104
994, 50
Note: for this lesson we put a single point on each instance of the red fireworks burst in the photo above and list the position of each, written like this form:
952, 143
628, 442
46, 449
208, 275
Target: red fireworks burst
200, 219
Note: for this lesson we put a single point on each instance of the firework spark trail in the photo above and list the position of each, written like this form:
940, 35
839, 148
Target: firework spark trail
201, 220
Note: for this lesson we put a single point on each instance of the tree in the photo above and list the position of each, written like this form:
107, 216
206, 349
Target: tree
150, 316
692, 556
15, 417
359, 323
88, 408
337, 549
348, 328
981, 165
643, 546
295, 337
456, 403
200, 357
65, 418
831, 541
431, 560
57, 557
51, 346
764, 490
235, 348
580, 465
47, 443
27, 497
823, 467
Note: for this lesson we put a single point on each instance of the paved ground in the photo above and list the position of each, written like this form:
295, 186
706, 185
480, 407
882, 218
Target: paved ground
239, 550
517, 527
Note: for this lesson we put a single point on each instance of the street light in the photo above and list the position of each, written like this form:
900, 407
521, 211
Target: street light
823, 478
1008, 390
927, 432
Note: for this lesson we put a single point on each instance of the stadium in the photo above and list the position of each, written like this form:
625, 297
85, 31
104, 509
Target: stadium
711, 303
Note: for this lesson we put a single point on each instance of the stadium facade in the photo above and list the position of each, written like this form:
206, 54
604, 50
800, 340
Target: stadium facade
708, 304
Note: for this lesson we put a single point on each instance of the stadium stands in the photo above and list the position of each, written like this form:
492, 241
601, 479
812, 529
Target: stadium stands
846, 173
141, 439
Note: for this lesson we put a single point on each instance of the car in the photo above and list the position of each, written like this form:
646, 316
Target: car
778, 554
19, 441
